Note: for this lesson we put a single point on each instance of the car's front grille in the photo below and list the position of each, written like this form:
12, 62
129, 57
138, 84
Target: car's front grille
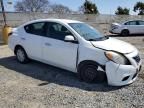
137, 58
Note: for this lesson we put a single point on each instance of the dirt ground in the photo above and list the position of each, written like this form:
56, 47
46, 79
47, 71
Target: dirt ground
38, 85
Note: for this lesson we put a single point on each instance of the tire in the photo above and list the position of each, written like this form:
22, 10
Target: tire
21, 55
125, 32
88, 72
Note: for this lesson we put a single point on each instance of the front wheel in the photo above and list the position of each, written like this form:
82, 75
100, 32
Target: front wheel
125, 33
89, 73
21, 55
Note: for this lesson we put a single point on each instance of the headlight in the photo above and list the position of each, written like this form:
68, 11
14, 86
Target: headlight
115, 27
116, 57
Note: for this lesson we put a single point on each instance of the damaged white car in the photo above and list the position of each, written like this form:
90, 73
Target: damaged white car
77, 47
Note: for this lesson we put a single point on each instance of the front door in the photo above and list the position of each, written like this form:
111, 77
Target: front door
133, 27
56, 51
141, 26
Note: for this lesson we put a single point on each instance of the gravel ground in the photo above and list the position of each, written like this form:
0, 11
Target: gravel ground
37, 85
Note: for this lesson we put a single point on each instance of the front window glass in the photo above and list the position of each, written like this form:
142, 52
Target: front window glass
87, 32
131, 23
57, 31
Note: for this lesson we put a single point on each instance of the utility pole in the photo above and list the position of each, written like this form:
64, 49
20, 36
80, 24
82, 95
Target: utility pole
3, 12
86, 7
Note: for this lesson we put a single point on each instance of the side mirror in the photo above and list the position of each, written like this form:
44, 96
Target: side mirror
70, 38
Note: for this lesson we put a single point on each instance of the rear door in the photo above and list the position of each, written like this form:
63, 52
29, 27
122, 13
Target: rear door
32, 39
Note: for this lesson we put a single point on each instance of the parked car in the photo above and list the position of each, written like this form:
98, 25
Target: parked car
77, 47
127, 28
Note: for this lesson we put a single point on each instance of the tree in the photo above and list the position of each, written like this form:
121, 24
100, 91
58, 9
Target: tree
88, 8
122, 11
31, 5
58, 8
139, 6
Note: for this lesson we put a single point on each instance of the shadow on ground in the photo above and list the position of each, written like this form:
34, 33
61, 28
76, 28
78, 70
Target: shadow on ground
132, 35
51, 74
1, 43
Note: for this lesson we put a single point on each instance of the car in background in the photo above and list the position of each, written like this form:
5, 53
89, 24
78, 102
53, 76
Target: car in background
128, 27
77, 47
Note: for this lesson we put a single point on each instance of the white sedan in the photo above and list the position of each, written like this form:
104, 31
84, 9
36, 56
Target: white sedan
127, 28
77, 47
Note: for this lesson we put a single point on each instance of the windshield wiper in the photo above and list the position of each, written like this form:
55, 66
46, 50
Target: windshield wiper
92, 39
99, 39
107, 37
103, 38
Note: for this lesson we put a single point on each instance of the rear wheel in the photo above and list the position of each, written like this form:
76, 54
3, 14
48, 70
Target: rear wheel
125, 32
21, 55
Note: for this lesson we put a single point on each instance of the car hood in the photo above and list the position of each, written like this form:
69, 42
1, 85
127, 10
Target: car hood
113, 44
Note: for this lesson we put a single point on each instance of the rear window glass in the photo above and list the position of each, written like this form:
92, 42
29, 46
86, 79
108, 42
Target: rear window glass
36, 28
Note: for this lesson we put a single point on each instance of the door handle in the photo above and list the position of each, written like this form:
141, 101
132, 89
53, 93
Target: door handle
22, 38
47, 44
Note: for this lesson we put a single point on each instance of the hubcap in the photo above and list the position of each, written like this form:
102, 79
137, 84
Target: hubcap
90, 72
20, 55
125, 32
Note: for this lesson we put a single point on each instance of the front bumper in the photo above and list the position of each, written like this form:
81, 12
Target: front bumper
119, 75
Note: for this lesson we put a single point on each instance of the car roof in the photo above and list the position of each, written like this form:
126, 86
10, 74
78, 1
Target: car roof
130, 21
66, 21
133, 20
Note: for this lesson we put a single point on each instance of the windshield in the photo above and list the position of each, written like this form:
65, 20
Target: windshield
87, 32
